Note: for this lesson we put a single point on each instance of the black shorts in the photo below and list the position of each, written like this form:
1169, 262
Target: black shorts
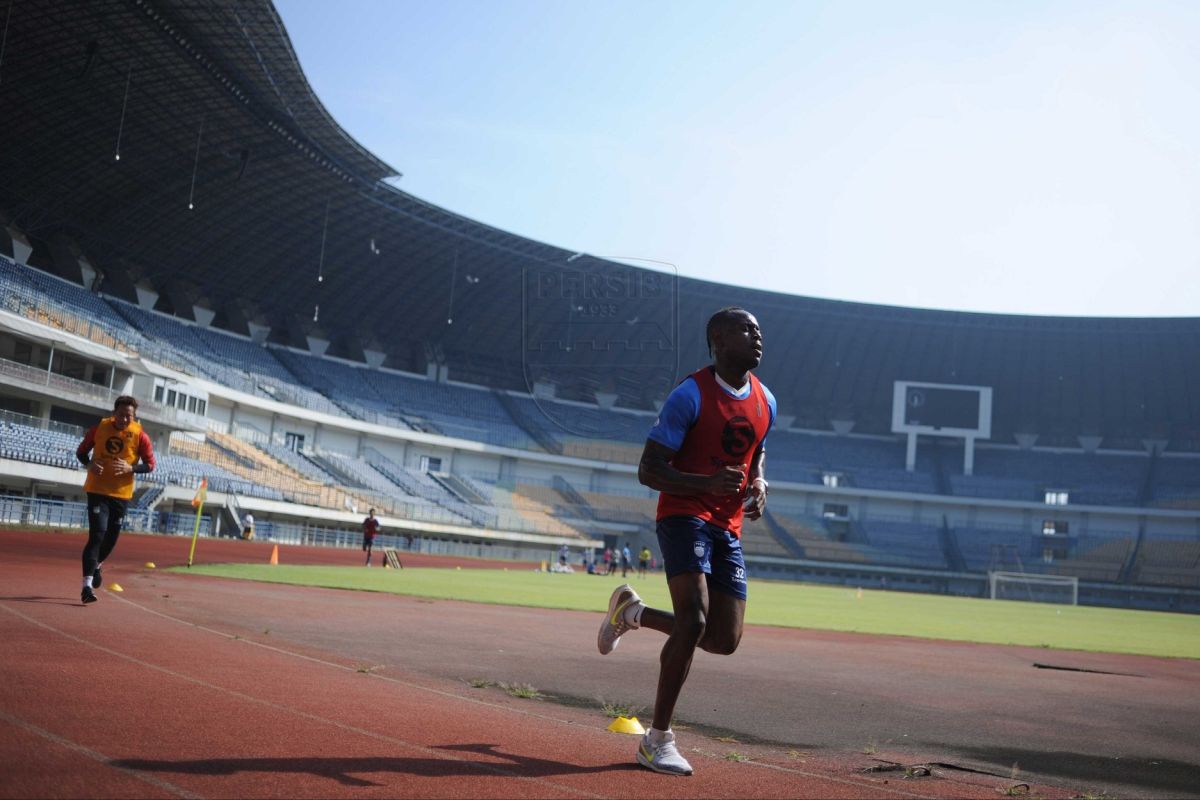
105, 513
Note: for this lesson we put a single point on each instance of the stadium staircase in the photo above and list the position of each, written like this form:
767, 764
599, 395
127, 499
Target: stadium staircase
251, 477
781, 534
579, 503
396, 473
940, 477
233, 454
1130, 565
148, 498
328, 466
355, 473
288, 470
1146, 493
232, 515
530, 426
951, 552
435, 491
460, 488
856, 533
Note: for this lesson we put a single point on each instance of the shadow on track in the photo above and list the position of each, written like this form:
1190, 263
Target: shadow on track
1172, 778
345, 770
48, 601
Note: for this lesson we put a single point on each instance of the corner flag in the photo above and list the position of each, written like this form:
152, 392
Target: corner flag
201, 494
198, 504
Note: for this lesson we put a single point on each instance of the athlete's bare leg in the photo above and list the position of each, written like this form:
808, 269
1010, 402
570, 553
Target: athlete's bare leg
711, 622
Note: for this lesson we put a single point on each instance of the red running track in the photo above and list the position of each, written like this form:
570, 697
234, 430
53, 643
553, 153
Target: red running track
188, 686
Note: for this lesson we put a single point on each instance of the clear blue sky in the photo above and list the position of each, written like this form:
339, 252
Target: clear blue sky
1033, 158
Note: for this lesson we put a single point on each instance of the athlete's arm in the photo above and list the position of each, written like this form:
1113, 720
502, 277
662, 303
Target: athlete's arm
85, 447
655, 471
146, 456
756, 491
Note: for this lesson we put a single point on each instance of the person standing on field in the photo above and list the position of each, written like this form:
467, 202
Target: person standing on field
705, 457
643, 561
114, 450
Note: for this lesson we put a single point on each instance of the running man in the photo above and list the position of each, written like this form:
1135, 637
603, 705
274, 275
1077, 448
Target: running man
370, 529
113, 450
705, 456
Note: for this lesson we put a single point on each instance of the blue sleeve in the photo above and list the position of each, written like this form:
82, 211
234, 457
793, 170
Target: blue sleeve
771, 405
678, 415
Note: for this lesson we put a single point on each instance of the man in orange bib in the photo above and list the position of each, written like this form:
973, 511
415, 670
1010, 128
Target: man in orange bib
119, 449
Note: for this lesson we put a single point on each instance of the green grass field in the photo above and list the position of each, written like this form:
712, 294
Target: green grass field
790, 605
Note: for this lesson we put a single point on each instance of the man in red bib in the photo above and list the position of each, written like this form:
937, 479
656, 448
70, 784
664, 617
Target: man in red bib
705, 456
370, 528
114, 450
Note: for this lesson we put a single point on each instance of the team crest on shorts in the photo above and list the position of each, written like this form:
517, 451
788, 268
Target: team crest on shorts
698, 549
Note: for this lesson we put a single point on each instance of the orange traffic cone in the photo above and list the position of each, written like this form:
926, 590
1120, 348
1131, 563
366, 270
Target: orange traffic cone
274, 555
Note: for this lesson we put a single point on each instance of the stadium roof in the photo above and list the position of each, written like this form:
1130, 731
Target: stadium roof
206, 103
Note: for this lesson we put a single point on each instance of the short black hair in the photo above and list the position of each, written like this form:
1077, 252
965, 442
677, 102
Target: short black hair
125, 400
719, 320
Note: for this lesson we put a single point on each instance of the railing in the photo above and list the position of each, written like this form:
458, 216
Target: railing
40, 377
102, 396
24, 302
16, 510
74, 431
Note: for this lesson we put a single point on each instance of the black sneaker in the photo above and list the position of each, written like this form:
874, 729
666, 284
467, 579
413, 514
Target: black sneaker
87, 595
97, 579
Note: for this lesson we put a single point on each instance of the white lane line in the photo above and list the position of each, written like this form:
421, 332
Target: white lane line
497, 706
422, 749
154, 781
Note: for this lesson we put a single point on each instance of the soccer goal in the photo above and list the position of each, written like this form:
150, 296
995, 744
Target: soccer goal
1029, 587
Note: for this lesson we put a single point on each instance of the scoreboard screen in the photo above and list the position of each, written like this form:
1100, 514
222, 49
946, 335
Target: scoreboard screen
942, 409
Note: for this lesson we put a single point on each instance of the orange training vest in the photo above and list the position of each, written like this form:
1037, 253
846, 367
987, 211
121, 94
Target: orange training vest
112, 444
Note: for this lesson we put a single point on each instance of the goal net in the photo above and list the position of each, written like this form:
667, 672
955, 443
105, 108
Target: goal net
1030, 587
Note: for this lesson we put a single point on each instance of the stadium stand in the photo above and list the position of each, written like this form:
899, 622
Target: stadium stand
906, 543
870, 463
814, 539
1089, 478
38, 445
1168, 561
1178, 482
1123, 386
464, 412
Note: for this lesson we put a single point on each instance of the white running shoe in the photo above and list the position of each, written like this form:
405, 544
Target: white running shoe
614, 622
663, 757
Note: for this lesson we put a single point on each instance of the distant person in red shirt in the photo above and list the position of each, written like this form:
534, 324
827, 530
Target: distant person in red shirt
705, 457
113, 450
370, 528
